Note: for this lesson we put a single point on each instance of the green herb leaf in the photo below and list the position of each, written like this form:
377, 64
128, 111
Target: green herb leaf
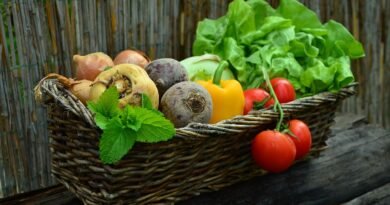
115, 141
122, 128
146, 103
129, 119
106, 107
101, 120
154, 128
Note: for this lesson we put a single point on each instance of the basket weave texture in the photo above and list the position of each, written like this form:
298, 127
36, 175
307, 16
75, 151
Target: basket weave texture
200, 157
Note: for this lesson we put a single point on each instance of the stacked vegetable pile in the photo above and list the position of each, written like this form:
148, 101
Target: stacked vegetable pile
255, 57
288, 41
288, 52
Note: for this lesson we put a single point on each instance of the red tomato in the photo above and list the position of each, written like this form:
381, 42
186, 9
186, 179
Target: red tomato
302, 139
256, 95
273, 151
283, 89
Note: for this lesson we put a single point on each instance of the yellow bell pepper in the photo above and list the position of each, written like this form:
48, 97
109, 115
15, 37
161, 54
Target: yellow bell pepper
227, 96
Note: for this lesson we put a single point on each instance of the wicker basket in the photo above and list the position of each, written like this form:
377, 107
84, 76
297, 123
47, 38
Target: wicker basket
200, 158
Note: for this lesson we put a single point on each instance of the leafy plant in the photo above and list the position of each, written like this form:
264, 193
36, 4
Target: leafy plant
123, 127
289, 41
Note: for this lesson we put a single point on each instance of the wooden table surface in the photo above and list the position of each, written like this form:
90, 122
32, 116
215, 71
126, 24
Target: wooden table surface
355, 169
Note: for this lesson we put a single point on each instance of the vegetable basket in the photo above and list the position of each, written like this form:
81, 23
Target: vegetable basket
199, 158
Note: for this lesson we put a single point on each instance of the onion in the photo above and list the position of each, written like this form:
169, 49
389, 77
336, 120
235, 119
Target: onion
79, 88
132, 57
89, 66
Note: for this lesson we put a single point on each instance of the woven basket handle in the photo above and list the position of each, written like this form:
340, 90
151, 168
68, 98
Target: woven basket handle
52, 88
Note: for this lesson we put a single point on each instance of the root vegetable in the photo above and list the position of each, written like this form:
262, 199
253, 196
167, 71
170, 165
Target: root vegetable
89, 66
131, 81
79, 88
186, 102
166, 72
132, 57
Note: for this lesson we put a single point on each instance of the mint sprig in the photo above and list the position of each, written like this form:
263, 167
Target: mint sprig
123, 127
145, 101
115, 141
106, 107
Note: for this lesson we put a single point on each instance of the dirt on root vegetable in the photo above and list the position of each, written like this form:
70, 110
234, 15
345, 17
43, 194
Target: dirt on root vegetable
186, 102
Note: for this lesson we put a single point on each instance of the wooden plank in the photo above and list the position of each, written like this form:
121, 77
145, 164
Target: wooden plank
15, 117
22, 33
378, 196
23, 157
77, 27
54, 195
43, 61
5, 127
386, 64
355, 162
36, 71
345, 121
63, 33
3, 121
3, 101
3, 41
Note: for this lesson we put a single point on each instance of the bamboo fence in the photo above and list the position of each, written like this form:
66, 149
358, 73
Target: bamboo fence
41, 36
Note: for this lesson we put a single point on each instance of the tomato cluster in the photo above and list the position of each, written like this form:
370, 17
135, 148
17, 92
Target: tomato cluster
257, 98
276, 151
273, 150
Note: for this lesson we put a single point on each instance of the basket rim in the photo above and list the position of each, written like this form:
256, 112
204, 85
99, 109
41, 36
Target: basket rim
235, 125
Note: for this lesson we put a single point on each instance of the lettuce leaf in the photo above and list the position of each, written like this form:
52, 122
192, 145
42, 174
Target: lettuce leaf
341, 43
289, 41
301, 16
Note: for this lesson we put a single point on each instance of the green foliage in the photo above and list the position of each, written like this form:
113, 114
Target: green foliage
123, 127
289, 41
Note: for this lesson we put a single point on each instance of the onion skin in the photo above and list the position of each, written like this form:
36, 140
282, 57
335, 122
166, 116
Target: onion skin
132, 57
130, 80
81, 90
89, 66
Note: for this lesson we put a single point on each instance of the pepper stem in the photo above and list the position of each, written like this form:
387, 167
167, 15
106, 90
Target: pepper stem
218, 73
277, 105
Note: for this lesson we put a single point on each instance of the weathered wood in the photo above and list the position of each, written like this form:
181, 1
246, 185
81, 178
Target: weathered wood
379, 196
54, 195
356, 162
345, 121
385, 67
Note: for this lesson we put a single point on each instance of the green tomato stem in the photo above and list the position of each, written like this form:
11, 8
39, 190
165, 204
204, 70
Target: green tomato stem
219, 71
277, 105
